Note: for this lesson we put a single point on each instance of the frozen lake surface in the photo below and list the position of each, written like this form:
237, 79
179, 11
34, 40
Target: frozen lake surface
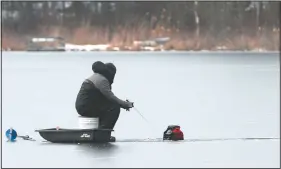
210, 95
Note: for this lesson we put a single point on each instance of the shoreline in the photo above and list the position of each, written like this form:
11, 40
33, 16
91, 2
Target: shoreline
178, 41
130, 51
159, 48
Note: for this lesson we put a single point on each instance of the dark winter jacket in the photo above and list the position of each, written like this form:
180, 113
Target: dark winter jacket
95, 92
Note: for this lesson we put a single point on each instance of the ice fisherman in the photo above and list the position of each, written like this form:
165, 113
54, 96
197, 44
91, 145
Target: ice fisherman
96, 99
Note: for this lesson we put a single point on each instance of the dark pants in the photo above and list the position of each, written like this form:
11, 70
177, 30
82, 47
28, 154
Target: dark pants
109, 116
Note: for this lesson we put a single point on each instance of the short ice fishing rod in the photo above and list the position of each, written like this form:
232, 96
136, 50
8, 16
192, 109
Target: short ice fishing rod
138, 112
141, 114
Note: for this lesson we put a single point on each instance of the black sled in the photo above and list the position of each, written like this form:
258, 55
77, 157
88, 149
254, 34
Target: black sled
61, 135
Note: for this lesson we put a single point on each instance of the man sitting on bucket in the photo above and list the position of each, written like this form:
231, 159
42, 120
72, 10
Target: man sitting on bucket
95, 98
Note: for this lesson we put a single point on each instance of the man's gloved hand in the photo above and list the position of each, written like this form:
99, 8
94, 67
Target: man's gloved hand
130, 105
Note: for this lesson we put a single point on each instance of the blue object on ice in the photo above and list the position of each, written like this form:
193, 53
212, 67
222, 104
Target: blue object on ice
11, 134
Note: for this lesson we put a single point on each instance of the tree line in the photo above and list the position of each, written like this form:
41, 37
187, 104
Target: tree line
192, 16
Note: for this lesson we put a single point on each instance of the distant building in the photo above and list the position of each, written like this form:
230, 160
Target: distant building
46, 44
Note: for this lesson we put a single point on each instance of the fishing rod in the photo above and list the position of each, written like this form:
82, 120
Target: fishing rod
140, 114
151, 125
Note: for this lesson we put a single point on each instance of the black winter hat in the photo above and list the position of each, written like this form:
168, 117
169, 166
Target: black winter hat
98, 67
108, 70
111, 67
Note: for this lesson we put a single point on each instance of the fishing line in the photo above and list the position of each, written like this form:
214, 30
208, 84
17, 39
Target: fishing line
199, 140
152, 126
152, 133
141, 115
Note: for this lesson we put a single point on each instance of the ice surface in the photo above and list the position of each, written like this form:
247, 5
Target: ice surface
210, 95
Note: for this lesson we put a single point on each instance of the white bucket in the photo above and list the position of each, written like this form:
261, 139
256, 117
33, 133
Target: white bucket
88, 122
